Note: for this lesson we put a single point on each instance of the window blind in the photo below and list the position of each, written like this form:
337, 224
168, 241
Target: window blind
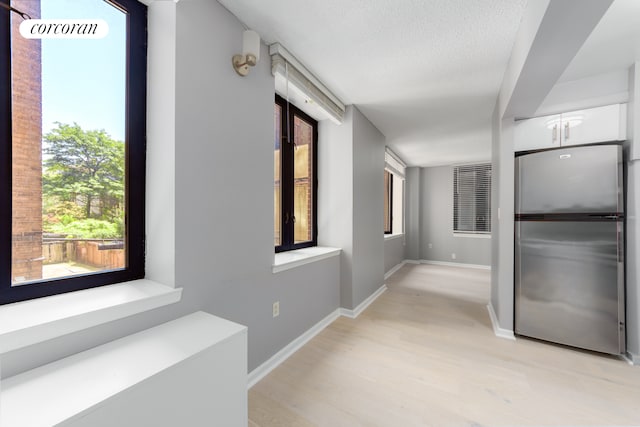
393, 164
472, 198
300, 87
388, 202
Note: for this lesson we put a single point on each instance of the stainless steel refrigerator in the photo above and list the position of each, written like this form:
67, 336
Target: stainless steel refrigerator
569, 247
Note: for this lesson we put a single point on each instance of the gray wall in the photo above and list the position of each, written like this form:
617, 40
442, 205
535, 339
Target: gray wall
224, 190
506, 198
224, 205
351, 202
436, 213
335, 196
368, 208
495, 208
412, 213
393, 252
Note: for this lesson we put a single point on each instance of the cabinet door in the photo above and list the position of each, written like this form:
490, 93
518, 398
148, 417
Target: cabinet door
537, 133
591, 125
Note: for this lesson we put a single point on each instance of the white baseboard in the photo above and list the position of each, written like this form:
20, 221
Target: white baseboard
352, 314
411, 261
456, 264
633, 359
274, 361
263, 370
497, 330
393, 270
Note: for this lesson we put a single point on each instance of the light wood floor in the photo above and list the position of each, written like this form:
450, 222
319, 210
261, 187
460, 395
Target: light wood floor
424, 354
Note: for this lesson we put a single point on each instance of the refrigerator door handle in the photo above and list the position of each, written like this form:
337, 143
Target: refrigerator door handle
620, 244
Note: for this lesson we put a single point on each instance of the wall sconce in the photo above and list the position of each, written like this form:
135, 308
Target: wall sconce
250, 53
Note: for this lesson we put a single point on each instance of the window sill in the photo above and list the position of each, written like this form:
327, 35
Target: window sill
291, 259
393, 236
30, 322
473, 235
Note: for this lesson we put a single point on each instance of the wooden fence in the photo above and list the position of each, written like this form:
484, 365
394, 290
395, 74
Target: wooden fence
83, 252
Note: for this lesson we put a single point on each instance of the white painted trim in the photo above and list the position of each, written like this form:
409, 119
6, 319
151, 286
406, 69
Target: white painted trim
632, 359
352, 314
472, 235
497, 330
455, 264
393, 270
30, 322
274, 361
411, 261
291, 259
393, 236
160, 209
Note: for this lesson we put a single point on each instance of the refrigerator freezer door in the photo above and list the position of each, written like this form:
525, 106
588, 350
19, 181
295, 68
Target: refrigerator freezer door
569, 283
570, 180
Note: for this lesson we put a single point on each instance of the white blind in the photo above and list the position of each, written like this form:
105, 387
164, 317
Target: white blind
393, 164
285, 67
472, 198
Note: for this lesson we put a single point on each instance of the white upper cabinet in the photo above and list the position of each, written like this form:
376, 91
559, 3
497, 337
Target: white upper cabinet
537, 133
587, 126
600, 124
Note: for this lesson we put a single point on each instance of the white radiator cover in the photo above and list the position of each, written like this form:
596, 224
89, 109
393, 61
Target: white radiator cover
188, 372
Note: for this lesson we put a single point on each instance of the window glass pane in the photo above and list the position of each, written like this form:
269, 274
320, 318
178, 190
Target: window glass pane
303, 164
397, 205
387, 202
277, 171
68, 170
472, 198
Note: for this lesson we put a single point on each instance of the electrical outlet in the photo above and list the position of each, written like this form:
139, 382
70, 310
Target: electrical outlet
430, 245
453, 256
276, 309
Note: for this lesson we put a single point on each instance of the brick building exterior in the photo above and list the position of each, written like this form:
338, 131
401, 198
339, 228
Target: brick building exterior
27, 149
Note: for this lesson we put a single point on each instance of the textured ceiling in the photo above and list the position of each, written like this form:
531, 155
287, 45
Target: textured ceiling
425, 72
613, 45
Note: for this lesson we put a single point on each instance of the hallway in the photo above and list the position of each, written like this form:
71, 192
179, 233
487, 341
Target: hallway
424, 354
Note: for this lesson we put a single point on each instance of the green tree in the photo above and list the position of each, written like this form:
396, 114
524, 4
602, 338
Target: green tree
86, 167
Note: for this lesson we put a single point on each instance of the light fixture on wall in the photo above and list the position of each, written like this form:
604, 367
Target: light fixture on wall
250, 53
13, 9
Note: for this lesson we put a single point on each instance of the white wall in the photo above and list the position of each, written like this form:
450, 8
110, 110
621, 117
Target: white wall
161, 147
593, 91
436, 215
632, 215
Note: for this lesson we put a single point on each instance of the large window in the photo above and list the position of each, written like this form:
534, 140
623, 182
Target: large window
72, 150
294, 183
472, 198
394, 171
